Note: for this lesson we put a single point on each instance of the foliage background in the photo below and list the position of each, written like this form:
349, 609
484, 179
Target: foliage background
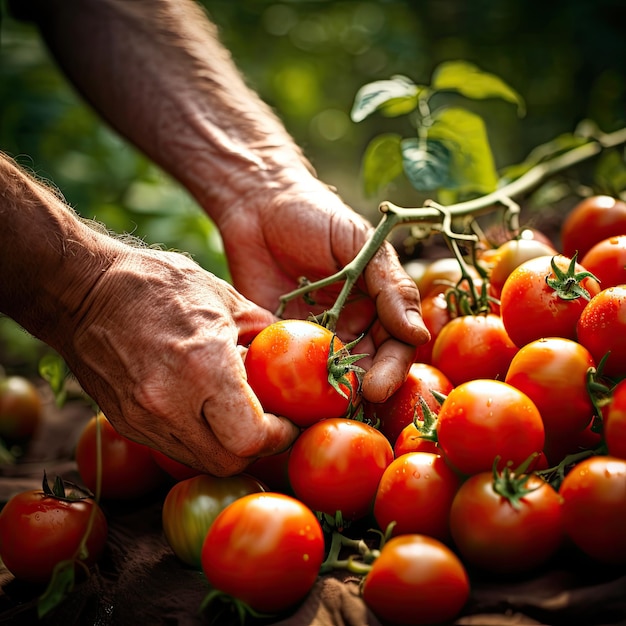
308, 59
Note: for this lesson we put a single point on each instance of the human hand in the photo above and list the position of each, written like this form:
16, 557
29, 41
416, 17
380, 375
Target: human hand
156, 347
306, 230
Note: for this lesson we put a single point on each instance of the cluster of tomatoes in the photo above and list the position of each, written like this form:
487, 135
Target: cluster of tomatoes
505, 444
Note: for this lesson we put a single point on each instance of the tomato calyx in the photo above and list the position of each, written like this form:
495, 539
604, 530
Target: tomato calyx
64, 490
427, 426
567, 283
512, 484
340, 363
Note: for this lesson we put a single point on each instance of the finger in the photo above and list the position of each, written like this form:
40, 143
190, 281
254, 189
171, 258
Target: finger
389, 369
397, 298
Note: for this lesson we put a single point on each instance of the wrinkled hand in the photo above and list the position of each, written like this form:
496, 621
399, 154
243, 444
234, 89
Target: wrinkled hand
157, 349
308, 231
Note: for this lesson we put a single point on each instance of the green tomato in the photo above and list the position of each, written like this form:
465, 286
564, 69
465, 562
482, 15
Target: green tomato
191, 506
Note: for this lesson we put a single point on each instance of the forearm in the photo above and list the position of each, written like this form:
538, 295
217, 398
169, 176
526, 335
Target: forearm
50, 259
157, 72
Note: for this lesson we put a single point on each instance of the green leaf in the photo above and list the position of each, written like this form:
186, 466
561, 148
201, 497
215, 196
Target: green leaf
426, 164
382, 162
52, 368
393, 97
472, 168
472, 82
610, 173
60, 585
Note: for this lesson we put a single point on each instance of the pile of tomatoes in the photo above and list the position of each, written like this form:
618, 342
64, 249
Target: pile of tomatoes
505, 445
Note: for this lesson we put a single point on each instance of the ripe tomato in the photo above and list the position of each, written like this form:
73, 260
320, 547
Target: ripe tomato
264, 549
416, 492
615, 422
20, 409
336, 464
403, 405
483, 419
510, 255
176, 469
416, 580
552, 372
441, 274
288, 366
272, 471
557, 448
606, 260
128, 468
38, 530
594, 507
531, 308
410, 439
436, 315
602, 328
473, 346
591, 220
504, 534
192, 505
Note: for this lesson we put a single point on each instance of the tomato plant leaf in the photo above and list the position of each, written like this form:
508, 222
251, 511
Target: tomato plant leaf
382, 162
472, 167
52, 368
60, 585
396, 96
426, 163
472, 82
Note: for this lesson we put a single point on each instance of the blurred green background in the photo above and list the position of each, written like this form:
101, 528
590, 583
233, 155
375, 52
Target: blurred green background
307, 60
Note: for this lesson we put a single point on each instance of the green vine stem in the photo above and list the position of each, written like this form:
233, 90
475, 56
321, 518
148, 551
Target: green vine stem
431, 216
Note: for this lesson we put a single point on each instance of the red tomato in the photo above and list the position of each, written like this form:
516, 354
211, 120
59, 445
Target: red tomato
591, 220
602, 328
20, 409
594, 507
506, 535
606, 260
557, 448
272, 471
403, 405
511, 254
531, 308
192, 505
416, 580
411, 440
128, 468
336, 464
416, 492
552, 372
615, 422
176, 469
264, 549
473, 346
288, 365
38, 530
483, 419
436, 315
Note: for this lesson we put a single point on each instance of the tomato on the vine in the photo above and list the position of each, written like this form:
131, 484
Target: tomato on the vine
416, 492
39, 529
416, 580
544, 297
606, 260
264, 549
403, 405
591, 220
192, 505
411, 439
21, 409
601, 328
128, 468
435, 314
483, 419
594, 507
336, 464
505, 523
473, 346
552, 372
301, 370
